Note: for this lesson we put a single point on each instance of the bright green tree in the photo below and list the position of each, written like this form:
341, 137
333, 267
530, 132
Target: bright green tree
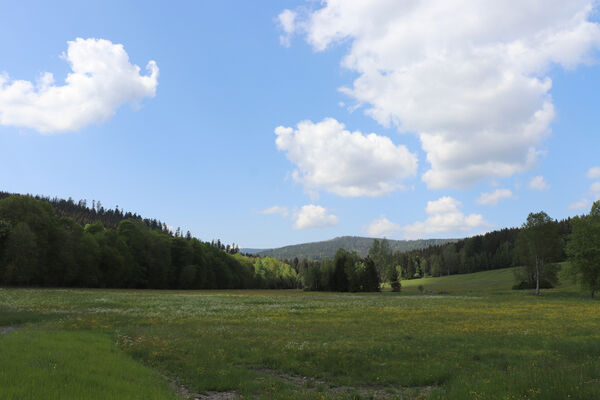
583, 249
382, 255
538, 243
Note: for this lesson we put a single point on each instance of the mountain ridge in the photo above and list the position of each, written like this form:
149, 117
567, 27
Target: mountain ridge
326, 249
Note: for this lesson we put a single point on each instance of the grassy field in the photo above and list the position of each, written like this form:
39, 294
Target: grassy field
477, 340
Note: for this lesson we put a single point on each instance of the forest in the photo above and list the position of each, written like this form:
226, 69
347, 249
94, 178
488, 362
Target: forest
537, 246
58, 243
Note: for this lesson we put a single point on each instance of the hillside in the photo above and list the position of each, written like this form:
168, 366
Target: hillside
326, 249
482, 282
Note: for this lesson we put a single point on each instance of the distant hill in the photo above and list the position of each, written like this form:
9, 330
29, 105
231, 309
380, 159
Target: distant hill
326, 249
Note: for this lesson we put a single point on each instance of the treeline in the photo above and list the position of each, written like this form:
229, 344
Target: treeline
84, 213
40, 248
347, 272
493, 250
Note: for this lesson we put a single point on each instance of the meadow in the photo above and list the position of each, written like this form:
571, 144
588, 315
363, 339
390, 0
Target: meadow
460, 337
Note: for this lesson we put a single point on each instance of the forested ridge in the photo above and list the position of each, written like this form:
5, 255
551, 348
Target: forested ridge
52, 242
324, 250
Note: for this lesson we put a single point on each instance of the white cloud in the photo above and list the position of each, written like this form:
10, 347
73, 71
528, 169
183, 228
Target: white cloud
382, 227
469, 77
444, 218
312, 216
279, 210
582, 204
594, 173
491, 199
349, 164
595, 189
287, 23
101, 80
538, 183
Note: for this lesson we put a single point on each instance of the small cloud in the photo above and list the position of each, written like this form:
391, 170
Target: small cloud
594, 173
382, 227
312, 216
278, 210
582, 204
538, 183
491, 199
444, 218
287, 23
595, 189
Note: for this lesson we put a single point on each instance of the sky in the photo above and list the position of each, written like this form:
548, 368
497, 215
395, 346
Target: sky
280, 122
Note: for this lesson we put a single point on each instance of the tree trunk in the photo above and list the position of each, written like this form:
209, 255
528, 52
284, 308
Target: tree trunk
537, 276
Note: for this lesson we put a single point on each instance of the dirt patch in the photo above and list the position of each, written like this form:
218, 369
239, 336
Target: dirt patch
187, 394
308, 384
217, 396
6, 329
303, 383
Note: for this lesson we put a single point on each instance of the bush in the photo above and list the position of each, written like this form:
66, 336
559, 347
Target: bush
523, 285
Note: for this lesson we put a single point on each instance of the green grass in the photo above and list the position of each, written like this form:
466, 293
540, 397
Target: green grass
481, 282
480, 341
486, 282
47, 364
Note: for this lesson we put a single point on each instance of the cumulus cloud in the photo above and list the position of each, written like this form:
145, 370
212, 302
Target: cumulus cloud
538, 183
279, 210
101, 80
594, 173
492, 199
349, 164
469, 77
582, 204
382, 227
312, 216
444, 218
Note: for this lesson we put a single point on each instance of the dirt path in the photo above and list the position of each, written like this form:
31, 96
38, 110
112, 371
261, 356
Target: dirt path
187, 394
306, 384
372, 392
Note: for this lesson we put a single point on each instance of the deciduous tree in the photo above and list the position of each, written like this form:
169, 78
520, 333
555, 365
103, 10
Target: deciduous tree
583, 249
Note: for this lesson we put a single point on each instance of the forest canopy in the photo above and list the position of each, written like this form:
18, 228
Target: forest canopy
40, 248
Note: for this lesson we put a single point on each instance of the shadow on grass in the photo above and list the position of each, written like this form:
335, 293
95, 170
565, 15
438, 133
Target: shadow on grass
12, 317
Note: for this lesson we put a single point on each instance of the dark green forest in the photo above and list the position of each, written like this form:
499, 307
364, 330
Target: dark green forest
60, 243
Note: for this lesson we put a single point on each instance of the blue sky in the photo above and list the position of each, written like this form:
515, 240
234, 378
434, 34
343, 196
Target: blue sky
458, 109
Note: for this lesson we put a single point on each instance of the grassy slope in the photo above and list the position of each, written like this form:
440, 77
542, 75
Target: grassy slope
500, 279
479, 282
